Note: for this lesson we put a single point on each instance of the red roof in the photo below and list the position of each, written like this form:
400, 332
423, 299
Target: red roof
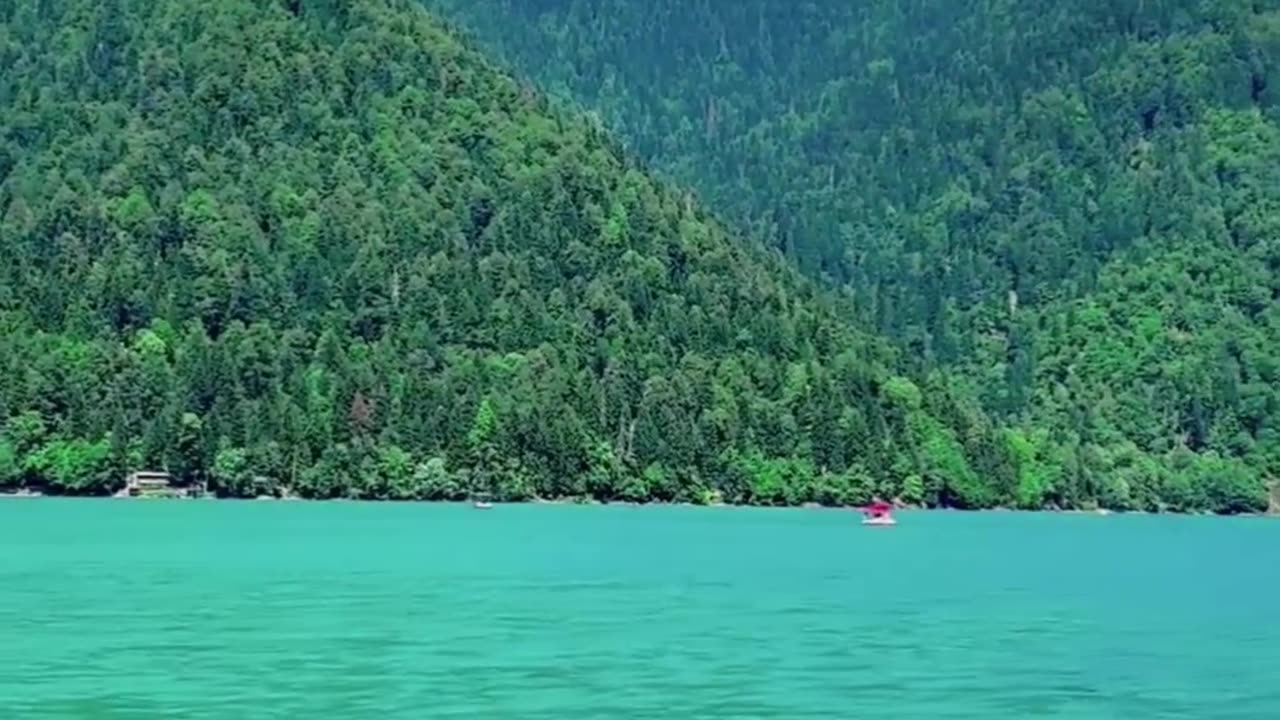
879, 506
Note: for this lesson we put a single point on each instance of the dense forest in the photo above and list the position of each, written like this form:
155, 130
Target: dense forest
936, 156
322, 247
1070, 204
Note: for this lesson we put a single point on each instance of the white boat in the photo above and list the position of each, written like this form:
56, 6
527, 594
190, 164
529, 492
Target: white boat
880, 520
482, 505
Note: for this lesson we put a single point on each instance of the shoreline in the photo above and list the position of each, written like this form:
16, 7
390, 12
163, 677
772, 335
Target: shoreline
588, 502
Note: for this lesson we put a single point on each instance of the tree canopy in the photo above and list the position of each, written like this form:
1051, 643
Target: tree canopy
981, 176
324, 247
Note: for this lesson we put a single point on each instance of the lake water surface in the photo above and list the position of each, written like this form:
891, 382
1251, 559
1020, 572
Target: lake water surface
128, 610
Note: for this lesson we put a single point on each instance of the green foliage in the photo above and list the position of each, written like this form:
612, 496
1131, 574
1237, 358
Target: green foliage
1069, 207
946, 469
325, 248
26, 432
1037, 474
432, 481
73, 467
322, 257
902, 393
230, 474
1231, 486
483, 425
388, 474
658, 482
780, 481
913, 490
10, 467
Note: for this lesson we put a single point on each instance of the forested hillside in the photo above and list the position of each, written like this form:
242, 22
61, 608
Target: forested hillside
935, 155
1072, 204
322, 248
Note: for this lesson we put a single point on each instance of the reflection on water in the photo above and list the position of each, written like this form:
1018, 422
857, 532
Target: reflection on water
264, 610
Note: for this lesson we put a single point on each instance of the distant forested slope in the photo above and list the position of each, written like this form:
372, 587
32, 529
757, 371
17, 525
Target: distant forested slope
321, 247
1070, 203
935, 155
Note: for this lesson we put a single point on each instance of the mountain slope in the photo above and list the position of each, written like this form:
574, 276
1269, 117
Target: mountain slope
1173, 356
936, 156
323, 248
979, 175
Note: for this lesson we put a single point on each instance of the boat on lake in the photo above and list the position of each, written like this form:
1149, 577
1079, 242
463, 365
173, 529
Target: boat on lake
878, 514
481, 502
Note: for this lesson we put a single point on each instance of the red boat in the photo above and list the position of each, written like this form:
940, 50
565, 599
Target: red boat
877, 513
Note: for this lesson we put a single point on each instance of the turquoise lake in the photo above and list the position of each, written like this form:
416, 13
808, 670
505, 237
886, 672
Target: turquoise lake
122, 610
